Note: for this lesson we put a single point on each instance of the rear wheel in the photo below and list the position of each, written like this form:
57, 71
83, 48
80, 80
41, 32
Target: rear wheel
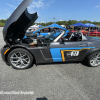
20, 59
93, 60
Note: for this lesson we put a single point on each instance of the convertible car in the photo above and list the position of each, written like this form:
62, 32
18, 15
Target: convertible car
46, 30
36, 34
22, 53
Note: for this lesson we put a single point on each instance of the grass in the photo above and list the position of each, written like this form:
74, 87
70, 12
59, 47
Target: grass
2, 24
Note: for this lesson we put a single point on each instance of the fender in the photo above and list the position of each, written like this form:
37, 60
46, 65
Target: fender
92, 51
35, 52
14, 47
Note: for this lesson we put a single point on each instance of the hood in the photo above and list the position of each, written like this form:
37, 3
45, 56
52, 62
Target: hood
18, 23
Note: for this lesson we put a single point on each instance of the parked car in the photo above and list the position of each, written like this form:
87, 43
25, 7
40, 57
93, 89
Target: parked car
94, 33
47, 49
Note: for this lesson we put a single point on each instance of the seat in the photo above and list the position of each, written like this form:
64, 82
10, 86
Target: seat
68, 36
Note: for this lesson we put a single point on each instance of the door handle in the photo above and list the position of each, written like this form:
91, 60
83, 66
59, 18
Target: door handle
82, 45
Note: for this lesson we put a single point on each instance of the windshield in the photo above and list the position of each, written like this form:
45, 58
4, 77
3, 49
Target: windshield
52, 35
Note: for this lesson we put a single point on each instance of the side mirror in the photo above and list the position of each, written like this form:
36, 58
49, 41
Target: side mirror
61, 41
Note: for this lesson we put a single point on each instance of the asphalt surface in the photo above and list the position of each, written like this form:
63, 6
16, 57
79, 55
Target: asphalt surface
68, 81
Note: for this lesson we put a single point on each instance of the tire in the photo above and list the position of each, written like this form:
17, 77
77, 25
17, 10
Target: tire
20, 59
93, 60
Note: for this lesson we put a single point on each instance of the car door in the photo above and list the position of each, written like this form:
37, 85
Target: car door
68, 51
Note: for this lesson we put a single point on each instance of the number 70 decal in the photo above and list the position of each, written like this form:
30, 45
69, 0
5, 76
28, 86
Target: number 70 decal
74, 53
71, 53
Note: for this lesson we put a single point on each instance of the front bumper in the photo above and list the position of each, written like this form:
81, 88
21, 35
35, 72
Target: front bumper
4, 52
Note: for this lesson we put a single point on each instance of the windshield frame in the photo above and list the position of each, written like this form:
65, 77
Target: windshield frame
51, 36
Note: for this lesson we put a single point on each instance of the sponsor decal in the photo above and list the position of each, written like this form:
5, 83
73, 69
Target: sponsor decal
69, 54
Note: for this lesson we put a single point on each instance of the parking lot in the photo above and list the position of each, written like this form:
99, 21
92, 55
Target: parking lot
60, 81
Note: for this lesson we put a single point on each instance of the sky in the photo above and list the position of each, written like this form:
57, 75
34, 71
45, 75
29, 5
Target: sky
62, 10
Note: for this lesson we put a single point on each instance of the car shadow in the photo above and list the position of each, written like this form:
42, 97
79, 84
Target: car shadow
44, 98
54, 63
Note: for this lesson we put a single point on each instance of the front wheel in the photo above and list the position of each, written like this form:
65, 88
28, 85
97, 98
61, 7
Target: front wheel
93, 60
20, 59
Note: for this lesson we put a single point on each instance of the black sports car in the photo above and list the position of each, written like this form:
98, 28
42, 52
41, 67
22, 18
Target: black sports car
22, 53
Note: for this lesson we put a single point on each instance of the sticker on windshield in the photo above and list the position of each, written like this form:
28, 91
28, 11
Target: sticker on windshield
75, 53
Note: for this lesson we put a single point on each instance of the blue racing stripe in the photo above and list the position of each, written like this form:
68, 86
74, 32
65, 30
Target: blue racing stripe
56, 54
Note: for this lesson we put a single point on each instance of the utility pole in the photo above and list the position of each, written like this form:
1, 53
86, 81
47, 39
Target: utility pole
53, 19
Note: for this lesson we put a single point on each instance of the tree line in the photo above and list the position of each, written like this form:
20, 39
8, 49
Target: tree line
66, 23
2, 22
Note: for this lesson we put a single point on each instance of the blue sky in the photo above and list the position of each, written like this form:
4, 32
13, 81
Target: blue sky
60, 9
